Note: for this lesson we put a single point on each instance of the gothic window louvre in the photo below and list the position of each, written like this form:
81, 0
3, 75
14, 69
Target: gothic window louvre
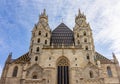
109, 72
91, 74
15, 71
37, 49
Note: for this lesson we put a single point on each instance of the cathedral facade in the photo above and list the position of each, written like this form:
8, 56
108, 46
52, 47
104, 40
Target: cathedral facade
61, 56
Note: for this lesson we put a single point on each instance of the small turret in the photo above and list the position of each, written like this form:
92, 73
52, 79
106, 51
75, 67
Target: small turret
43, 16
9, 58
80, 15
115, 59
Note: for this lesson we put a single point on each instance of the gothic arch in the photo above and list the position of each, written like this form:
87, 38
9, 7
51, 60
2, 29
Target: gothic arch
63, 70
63, 61
109, 72
15, 71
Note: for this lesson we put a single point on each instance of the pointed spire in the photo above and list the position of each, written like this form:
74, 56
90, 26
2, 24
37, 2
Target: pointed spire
115, 59
44, 12
79, 12
80, 15
9, 57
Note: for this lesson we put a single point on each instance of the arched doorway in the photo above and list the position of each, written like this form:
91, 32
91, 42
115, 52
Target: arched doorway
63, 70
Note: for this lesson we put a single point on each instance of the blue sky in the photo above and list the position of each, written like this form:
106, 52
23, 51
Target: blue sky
17, 18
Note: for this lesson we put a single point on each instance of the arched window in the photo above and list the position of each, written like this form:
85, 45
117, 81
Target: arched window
46, 34
63, 71
91, 74
78, 42
37, 49
84, 33
36, 58
33, 34
77, 35
45, 41
39, 33
34, 77
15, 71
31, 50
86, 47
85, 40
109, 72
87, 57
38, 41
49, 58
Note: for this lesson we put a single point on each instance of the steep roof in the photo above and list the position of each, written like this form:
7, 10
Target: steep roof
22, 59
62, 35
103, 59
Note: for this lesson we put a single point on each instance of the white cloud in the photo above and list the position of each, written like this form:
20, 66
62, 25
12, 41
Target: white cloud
104, 17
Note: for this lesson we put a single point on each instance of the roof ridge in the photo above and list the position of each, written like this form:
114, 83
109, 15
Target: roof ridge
23, 58
102, 58
62, 24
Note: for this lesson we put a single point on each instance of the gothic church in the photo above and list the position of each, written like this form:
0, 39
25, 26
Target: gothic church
61, 56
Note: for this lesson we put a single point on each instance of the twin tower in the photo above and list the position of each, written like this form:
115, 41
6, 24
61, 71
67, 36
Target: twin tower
61, 56
62, 36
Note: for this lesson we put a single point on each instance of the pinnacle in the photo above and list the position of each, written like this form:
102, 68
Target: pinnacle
44, 12
79, 12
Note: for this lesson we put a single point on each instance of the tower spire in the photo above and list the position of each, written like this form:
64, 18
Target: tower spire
79, 12
43, 15
44, 12
114, 57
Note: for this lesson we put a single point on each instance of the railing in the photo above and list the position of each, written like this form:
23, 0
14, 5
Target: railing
35, 81
62, 46
92, 81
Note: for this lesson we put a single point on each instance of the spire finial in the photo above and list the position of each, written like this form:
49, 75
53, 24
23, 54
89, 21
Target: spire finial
114, 57
44, 12
79, 12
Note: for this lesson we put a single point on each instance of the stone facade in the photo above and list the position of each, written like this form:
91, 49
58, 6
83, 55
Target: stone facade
61, 56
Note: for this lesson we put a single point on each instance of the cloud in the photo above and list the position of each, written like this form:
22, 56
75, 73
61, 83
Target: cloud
18, 17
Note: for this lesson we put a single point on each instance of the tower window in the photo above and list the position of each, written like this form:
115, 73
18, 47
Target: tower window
48, 81
15, 71
86, 48
39, 33
49, 58
78, 42
38, 40
87, 57
46, 35
36, 58
85, 40
77, 35
109, 72
75, 58
76, 81
34, 77
91, 74
31, 50
84, 33
45, 41
37, 49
